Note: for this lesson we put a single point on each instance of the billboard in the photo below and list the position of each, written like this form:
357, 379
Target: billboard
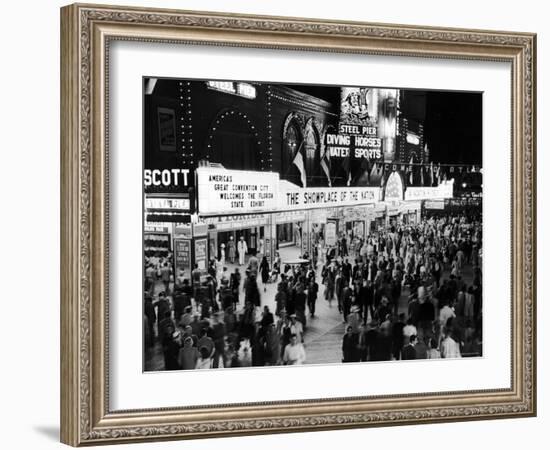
359, 106
366, 128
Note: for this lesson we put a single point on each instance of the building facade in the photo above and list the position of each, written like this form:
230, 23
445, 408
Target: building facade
273, 165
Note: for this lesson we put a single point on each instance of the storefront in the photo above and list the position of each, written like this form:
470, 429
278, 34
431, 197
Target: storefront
157, 240
269, 213
355, 220
190, 247
286, 234
393, 214
181, 244
272, 165
225, 231
378, 218
459, 205
410, 212
289, 228
318, 219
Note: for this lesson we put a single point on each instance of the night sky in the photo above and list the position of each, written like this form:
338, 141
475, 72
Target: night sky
453, 127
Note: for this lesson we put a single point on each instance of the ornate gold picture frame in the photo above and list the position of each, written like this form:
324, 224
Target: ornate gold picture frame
86, 34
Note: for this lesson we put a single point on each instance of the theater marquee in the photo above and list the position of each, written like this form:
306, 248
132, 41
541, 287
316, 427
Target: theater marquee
222, 191
294, 197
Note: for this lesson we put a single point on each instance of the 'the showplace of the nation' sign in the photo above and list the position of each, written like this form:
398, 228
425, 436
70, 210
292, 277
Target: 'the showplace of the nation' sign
294, 197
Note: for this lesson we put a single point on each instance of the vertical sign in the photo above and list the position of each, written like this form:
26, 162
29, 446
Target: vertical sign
330, 232
200, 253
167, 129
182, 255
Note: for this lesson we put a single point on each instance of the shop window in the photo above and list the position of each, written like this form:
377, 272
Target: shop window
285, 233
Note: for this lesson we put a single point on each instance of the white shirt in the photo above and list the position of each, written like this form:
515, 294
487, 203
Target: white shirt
242, 247
450, 348
298, 329
445, 314
203, 363
409, 330
294, 354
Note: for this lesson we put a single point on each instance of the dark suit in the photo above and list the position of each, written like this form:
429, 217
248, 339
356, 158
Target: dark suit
349, 348
408, 352
421, 350
365, 300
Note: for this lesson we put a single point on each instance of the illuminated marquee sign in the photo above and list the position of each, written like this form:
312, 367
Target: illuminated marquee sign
167, 203
434, 204
237, 222
363, 143
233, 87
157, 228
293, 197
166, 177
233, 192
366, 117
444, 190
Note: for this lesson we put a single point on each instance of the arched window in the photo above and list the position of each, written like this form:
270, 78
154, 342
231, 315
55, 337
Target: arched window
291, 145
233, 143
394, 187
312, 157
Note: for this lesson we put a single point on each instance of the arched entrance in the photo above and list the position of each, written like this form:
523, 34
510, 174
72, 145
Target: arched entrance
233, 142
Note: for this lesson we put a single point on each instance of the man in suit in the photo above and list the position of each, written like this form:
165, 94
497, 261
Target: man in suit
366, 300
350, 349
347, 300
409, 351
421, 347
242, 249
267, 320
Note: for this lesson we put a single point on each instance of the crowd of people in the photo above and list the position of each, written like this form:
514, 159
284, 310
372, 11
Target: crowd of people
444, 313
217, 319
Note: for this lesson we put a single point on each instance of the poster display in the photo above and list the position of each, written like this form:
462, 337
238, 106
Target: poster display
201, 253
182, 255
330, 232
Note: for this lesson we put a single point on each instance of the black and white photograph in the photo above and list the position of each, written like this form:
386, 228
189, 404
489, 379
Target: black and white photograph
291, 224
